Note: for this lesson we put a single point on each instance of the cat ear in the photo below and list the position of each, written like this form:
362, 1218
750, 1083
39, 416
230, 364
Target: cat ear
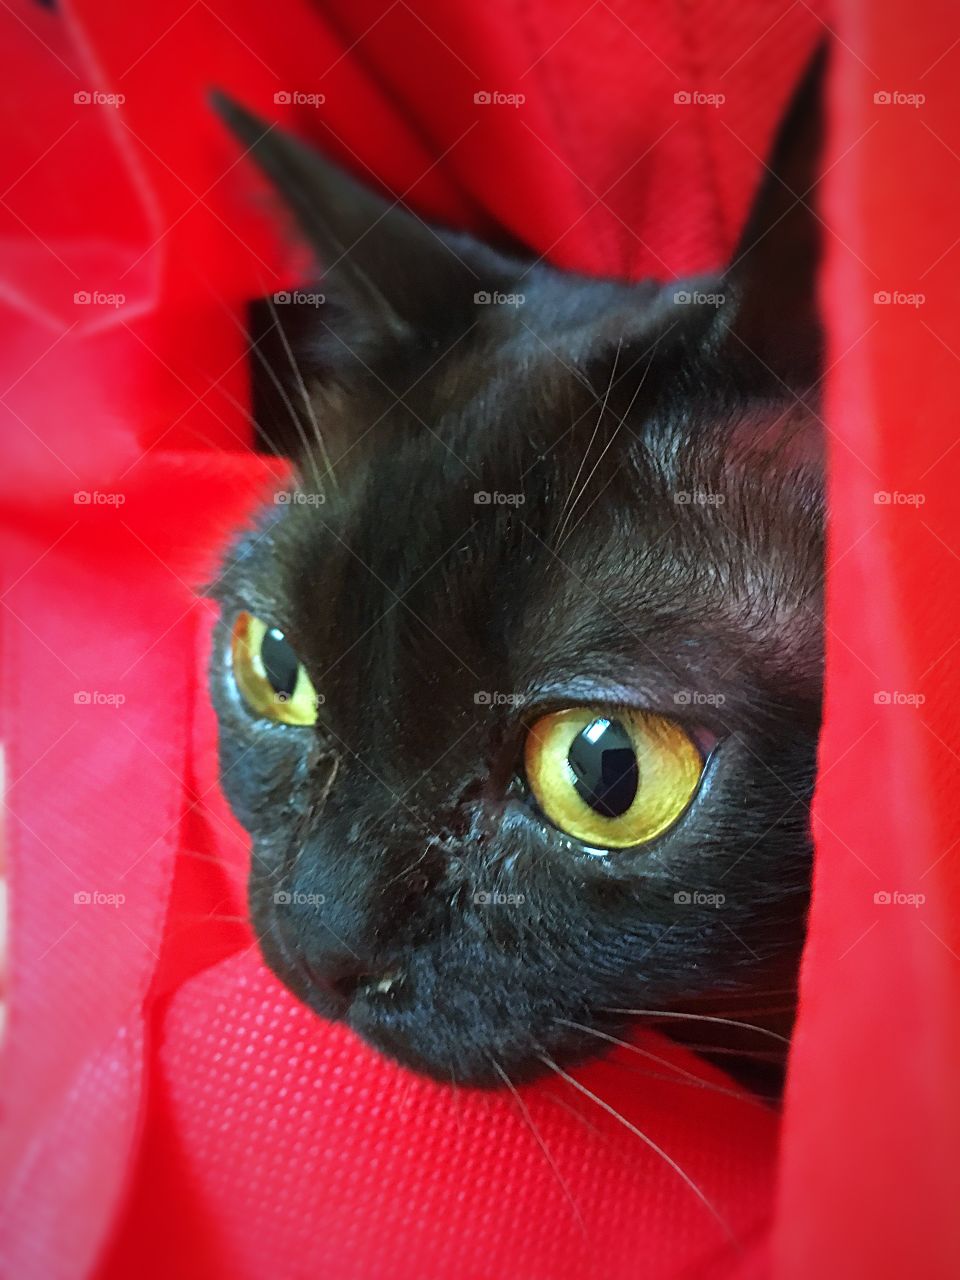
381, 263
773, 274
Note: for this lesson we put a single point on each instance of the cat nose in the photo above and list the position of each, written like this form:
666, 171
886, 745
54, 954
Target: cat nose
336, 968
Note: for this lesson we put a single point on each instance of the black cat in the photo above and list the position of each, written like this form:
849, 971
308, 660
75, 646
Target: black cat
519, 690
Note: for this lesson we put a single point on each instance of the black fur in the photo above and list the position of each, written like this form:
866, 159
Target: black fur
600, 404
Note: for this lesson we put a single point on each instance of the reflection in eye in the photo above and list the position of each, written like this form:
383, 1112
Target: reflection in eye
611, 780
271, 678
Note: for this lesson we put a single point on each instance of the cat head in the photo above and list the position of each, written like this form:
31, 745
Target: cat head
519, 688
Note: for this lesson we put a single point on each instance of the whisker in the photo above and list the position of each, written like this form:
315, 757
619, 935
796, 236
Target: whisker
258, 427
606, 447
578, 1115
268, 369
686, 1077
761, 1055
538, 1136
321, 444
647, 1140
735, 996
567, 510
765, 1101
703, 1017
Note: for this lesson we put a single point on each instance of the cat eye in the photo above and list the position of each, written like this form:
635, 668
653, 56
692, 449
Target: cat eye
611, 779
268, 673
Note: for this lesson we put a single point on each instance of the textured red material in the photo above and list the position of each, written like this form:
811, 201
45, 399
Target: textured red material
168, 1108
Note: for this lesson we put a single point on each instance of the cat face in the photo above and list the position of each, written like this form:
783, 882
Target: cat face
519, 691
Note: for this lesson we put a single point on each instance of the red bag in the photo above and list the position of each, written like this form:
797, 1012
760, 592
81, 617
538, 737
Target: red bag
169, 1108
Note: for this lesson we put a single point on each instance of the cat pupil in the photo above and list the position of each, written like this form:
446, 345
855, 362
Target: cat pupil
279, 662
605, 769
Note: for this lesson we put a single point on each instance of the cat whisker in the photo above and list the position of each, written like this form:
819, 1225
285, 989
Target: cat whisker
565, 1106
538, 1136
759, 1055
564, 514
257, 426
268, 370
647, 1140
683, 1076
735, 996
702, 1017
229, 872
298, 374
765, 1101
606, 447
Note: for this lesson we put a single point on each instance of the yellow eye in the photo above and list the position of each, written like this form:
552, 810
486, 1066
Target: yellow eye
269, 674
611, 779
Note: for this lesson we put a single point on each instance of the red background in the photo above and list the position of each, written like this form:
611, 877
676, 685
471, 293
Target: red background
168, 1108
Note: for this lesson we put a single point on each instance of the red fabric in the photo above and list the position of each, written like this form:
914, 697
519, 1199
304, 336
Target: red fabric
169, 1109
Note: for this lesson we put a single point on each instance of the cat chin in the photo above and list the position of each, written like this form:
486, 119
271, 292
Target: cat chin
427, 1036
